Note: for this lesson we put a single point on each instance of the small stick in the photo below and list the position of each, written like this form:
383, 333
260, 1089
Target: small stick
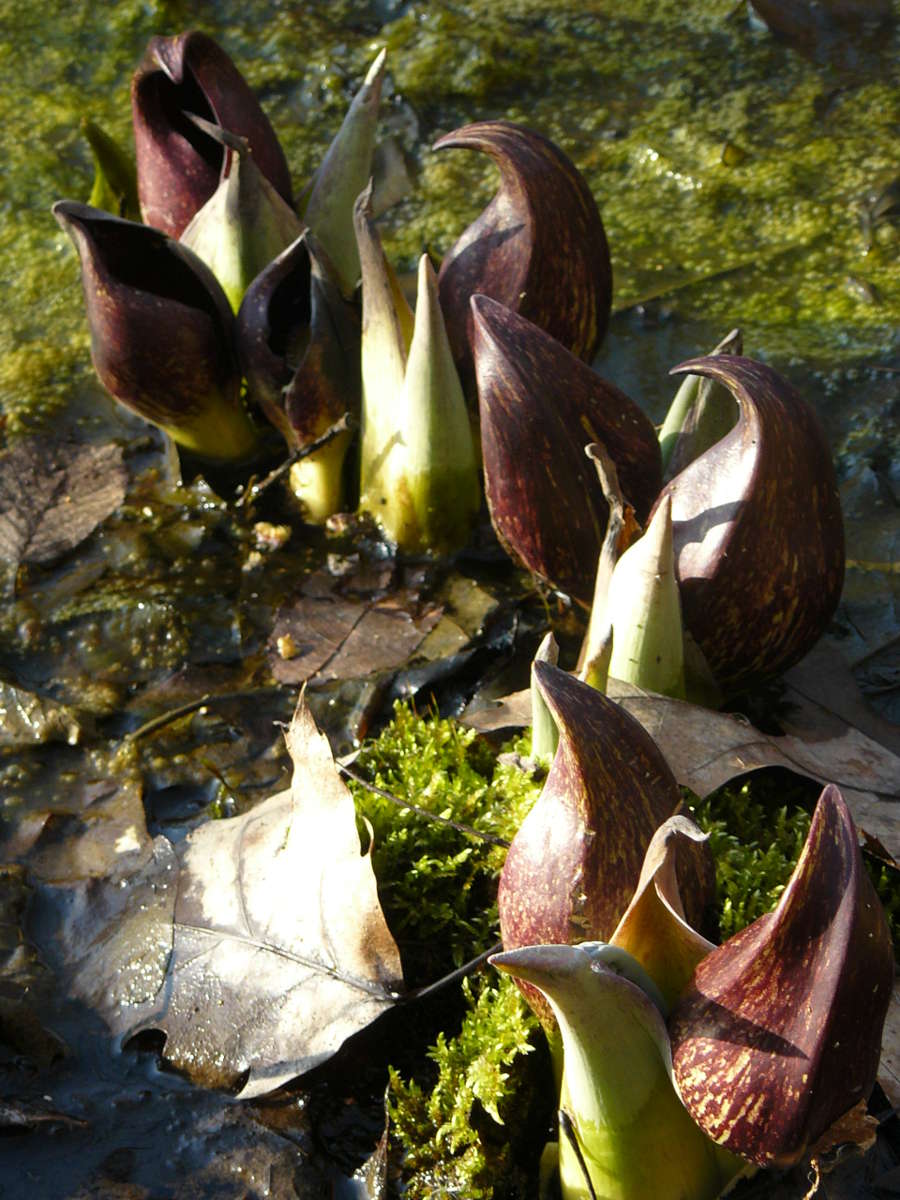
175, 714
253, 490
467, 968
422, 812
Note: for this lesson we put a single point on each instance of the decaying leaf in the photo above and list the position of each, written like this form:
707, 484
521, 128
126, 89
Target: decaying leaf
705, 749
258, 946
338, 638
53, 496
824, 698
97, 832
26, 984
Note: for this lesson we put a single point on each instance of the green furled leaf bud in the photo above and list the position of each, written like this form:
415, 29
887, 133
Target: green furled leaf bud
115, 177
544, 730
644, 610
701, 413
244, 224
343, 174
418, 473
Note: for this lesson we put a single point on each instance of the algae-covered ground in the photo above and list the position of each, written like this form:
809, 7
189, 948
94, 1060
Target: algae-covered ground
743, 181
733, 171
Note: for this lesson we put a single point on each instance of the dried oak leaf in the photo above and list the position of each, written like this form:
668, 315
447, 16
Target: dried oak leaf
267, 947
53, 496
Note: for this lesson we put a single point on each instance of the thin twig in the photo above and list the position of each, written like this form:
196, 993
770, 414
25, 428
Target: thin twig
446, 980
207, 700
253, 490
422, 812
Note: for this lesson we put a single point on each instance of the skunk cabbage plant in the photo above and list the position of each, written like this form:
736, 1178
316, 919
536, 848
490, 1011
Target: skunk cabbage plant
211, 172
539, 406
576, 858
538, 248
779, 1030
161, 331
757, 529
179, 166
762, 1043
298, 341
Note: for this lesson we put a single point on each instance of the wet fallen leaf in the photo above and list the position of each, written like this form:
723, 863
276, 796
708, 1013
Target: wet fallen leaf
52, 496
257, 946
705, 749
824, 698
334, 637
99, 831
25, 982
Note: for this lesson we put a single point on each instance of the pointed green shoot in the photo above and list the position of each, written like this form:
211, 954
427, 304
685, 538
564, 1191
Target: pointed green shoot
387, 327
244, 225
701, 413
644, 610
544, 730
344, 172
596, 651
115, 176
633, 1136
418, 473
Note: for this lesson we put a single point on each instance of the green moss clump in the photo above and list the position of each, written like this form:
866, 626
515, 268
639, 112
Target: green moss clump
437, 885
465, 1133
755, 846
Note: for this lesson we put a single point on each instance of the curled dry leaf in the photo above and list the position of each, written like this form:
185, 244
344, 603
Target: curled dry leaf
759, 540
540, 406
779, 1032
576, 859
539, 247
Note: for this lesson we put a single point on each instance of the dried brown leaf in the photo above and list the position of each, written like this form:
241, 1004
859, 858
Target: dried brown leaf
259, 946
